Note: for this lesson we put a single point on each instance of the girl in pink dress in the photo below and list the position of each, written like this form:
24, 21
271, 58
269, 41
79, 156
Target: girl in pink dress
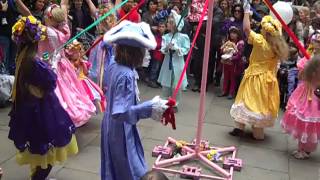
73, 52
69, 89
302, 117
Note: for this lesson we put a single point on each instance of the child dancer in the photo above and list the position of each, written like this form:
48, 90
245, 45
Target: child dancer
100, 53
40, 128
257, 101
232, 64
69, 89
121, 149
302, 117
175, 46
74, 52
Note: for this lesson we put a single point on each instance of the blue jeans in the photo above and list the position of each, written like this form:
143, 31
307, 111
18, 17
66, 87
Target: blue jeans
9, 49
154, 70
292, 80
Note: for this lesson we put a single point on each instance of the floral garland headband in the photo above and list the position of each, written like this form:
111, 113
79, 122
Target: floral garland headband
271, 26
31, 25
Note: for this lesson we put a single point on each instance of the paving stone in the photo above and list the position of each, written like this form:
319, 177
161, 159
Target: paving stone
87, 160
264, 158
253, 173
93, 125
273, 140
293, 145
304, 170
218, 114
7, 148
96, 141
218, 135
182, 132
13, 171
73, 174
83, 139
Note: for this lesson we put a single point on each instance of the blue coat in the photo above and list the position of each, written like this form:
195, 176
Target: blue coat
122, 156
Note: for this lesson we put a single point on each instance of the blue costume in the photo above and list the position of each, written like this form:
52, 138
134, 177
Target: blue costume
122, 156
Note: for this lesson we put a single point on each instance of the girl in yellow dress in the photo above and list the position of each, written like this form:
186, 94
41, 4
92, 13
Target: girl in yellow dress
257, 101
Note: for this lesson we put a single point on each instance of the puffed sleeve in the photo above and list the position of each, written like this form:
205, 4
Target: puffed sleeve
164, 44
255, 39
43, 76
123, 107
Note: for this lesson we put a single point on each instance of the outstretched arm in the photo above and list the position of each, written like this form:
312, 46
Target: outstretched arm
246, 18
22, 8
64, 5
92, 7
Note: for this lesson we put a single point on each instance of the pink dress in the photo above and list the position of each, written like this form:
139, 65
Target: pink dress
302, 117
70, 91
92, 89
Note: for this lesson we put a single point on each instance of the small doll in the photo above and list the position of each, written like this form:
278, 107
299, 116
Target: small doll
228, 50
74, 53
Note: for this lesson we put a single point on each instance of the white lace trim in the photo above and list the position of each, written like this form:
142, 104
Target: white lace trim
243, 115
302, 117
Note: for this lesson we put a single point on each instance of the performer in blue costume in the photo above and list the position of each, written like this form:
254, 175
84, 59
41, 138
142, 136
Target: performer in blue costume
122, 156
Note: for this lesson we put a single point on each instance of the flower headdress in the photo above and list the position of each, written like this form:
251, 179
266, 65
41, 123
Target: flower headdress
271, 26
74, 47
28, 29
315, 37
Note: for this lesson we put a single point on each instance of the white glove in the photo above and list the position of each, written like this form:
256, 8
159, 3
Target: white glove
158, 108
246, 6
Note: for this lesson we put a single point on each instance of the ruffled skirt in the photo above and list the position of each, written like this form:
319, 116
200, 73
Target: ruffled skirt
71, 94
54, 156
302, 117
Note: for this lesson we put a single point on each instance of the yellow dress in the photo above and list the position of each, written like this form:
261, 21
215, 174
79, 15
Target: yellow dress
257, 101
53, 156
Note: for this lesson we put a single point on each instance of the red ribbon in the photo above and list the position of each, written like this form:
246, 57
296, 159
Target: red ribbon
288, 30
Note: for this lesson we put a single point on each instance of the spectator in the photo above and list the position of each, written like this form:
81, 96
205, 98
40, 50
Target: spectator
134, 16
156, 57
232, 64
149, 15
82, 15
9, 12
37, 9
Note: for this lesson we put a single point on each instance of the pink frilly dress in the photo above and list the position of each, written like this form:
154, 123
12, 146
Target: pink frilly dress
70, 90
92, 89
302, 117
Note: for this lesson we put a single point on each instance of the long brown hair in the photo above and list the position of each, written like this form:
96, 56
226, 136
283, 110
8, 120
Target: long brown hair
25, 57
129, 56
278, 45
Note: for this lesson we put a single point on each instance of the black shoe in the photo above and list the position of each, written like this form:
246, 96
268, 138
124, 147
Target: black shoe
196, 89
222, 95
237, 132
230, 97
153, 84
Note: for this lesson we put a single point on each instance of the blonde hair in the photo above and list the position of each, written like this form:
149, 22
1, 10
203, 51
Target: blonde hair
58, 15
111, 20
279, 46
